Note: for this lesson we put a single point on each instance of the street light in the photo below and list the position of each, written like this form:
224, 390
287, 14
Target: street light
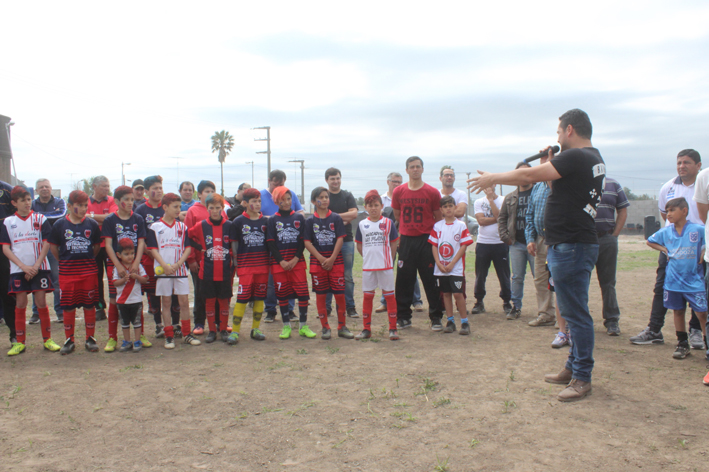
123, 172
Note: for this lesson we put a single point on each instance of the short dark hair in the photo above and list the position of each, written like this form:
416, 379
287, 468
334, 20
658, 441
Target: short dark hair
692, 154
580, 122
122, 191
250, 193
316, 193
277, 174
186, 182
412, 159
678, 202
446, 200
241, 186
152, 180
204, 184
444, 168
332, 171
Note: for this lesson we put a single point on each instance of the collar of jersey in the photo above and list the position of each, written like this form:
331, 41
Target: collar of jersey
26, 217
329, 212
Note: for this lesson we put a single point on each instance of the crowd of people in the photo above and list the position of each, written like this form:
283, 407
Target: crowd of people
562, 220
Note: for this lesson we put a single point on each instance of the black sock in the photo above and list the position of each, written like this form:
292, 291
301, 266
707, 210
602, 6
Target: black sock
682, 336
303, 313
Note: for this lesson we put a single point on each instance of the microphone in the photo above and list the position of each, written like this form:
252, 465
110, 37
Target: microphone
554, 150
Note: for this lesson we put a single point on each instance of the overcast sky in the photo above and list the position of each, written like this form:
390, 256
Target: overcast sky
359, 86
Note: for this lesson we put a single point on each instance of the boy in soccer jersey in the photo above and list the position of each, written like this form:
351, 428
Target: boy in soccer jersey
129, 296
169, 245
122, 224
324, 236
211, 236
377, 240
250, 254
284, 236
75, 242
24, 242
450, 239
683, 243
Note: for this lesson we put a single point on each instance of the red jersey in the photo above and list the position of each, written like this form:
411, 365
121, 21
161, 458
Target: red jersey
417, 207
103, 207
196, 214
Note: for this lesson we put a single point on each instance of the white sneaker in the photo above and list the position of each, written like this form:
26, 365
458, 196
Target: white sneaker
380, 309
560, 340
169, 343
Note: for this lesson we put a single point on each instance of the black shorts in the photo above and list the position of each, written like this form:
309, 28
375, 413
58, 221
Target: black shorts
42, 282
216, 289
450, 283
130, 314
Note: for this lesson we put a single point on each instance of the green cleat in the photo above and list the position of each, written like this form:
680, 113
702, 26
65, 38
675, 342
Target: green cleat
50, 345
144, 341
306, 332
233, 338
110, 345
285, 334
257, 335
17, 348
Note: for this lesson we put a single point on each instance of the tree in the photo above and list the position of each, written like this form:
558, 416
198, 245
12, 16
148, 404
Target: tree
222, 143
631, 196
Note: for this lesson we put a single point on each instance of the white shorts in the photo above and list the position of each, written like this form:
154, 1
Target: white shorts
373, 279
166, 286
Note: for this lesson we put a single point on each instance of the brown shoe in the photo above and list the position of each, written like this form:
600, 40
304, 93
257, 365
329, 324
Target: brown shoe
380, 309
562, 378
576, 390
543, 320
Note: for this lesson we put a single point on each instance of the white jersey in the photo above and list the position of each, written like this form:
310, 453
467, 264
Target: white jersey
376, 238
129, 292
25, 237
459, 197
488, 234
448, 238
675, 188
170, 241
701, 195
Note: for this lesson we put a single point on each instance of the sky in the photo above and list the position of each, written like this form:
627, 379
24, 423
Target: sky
361, 87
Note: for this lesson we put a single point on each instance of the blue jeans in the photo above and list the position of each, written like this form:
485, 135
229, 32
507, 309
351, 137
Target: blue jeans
570, 265
348, 256
519, 258
54, 266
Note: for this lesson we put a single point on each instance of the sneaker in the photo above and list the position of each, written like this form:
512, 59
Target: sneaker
110, 345
560, 340
191, 340
126, 346
91, 345
345, 333
17, 348
380, 309
514, 314
51, 346
450, 327
576, 390
365, 334
137, 346
696, 339
648, 337
352, 312
34, 319
224, 335
211, 337
100, 315
404, 324
159, 331
232, 339
270, 317
613, 329
67, 348
682, 350
436, 325
464, 329
326, 333
478, 308
543, 320
177, 332
507, 308
418, 307
198, 330
306, 332
60, 319
257, 335
144, 341
393, 335
562, 378
169, 342
285, 333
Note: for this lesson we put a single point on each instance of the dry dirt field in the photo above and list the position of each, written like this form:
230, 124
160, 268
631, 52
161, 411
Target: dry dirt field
430, 401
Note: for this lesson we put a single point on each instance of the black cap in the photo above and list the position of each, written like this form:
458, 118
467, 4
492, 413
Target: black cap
138, 183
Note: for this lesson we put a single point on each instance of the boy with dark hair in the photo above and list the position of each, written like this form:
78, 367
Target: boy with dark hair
24, 242
683, 243
129, 297
450, 239
324, 235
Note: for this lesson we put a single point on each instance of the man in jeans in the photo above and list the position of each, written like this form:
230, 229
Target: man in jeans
511, 226
608, 227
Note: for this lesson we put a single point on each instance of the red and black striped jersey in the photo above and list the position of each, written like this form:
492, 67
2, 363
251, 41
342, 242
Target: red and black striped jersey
287, 233
25, 236
252, 253
214, 241
75, 243
323, 233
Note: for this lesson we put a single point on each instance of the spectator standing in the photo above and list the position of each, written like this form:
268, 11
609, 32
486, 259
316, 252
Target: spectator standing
100, 206
138, 193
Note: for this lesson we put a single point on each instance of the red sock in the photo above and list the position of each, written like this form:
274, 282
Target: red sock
340, 300
391, 309
209, 310
44, 323
223, 313
69, 321
186, 328
367, 310
90, 321
113, 321
320, 299
20, 324
169, 331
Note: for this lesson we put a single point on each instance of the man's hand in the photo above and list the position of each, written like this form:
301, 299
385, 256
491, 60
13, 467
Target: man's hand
532, 249
489, 193
483, 181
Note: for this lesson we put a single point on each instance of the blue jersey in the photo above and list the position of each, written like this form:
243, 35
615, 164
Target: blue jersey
150, 215
252, 252
684, 270
323, 233
116, 228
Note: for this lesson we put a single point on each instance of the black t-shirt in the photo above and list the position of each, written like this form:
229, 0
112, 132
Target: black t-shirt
341, 202
522, 204
571, 206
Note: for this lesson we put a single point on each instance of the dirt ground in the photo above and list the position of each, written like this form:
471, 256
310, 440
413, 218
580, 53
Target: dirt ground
430, 401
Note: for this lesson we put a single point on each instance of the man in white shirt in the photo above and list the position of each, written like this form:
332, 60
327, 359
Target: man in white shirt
394, 179
461, 198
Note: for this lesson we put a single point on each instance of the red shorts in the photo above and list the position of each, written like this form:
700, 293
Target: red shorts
252, 287
78, 293
291, 284
150, 272
329, 281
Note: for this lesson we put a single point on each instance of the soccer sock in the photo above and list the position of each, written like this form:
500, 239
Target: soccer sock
451, 318
285, 310
209, 311
90, 321
169, 331
682, 336
463, 320
44, 323
223, 313
320, 299
303, 311
340, 300
391, 308
20, 324
113, 321
238, 315
186, 328
367, 310
69, 321
258, 311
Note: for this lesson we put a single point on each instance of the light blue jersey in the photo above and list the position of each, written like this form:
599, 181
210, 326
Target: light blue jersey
684, 270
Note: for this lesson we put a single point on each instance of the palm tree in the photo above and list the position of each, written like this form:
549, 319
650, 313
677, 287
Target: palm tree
222, 142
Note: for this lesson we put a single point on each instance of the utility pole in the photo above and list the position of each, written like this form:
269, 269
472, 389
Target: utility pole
252, 172
467, 213
178, 167
302, 178
268, 147
123, 172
